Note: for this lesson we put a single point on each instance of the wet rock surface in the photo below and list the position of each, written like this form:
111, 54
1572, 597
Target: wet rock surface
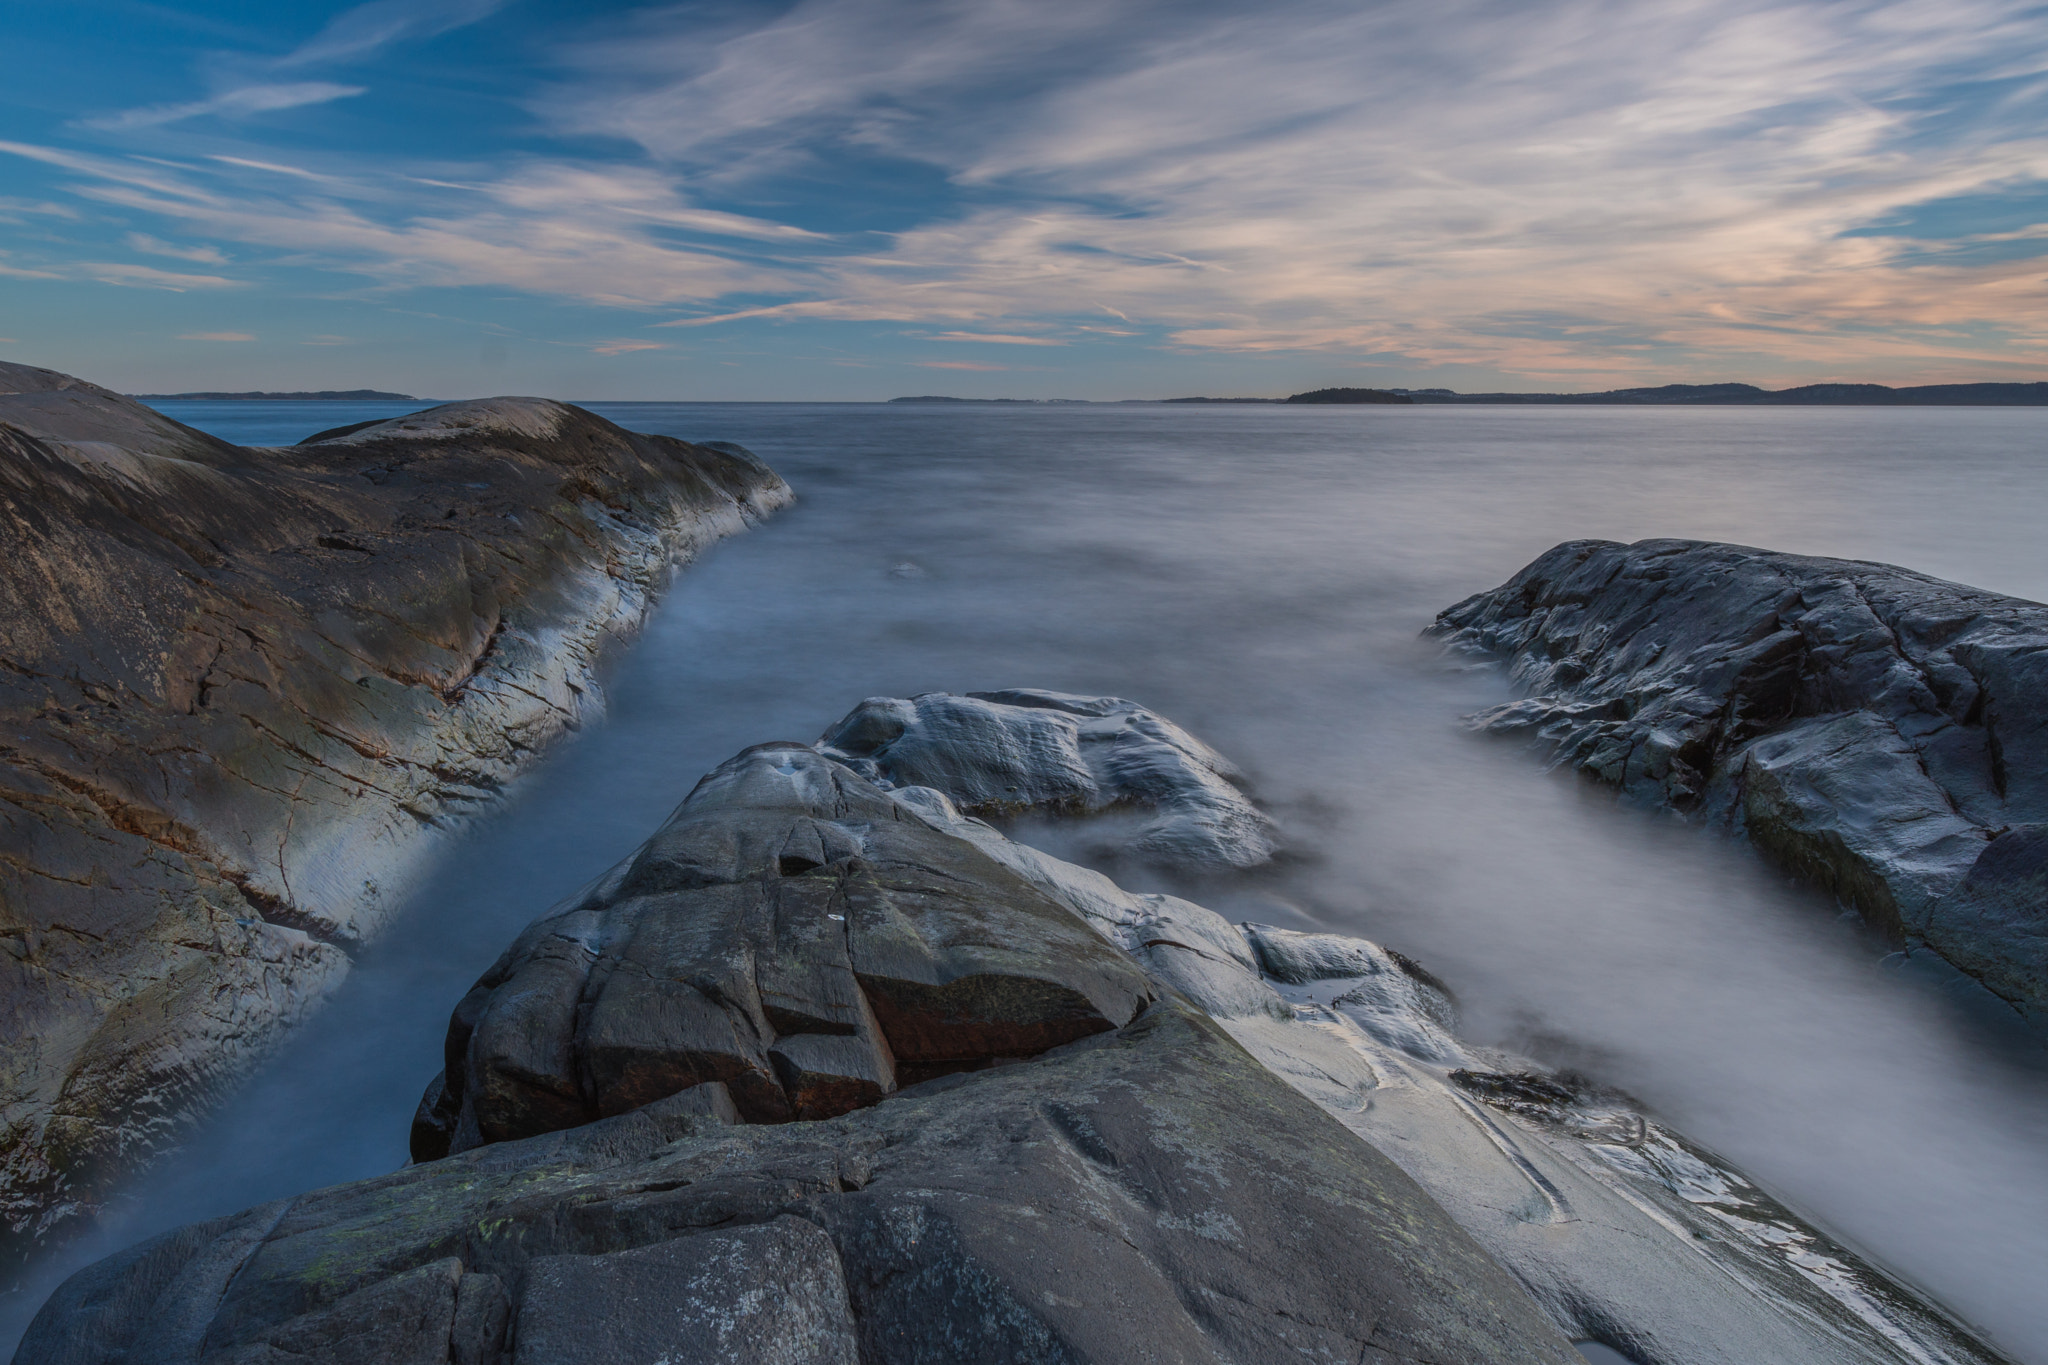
1879, 733
1029, 750
243, 688
1239, 1142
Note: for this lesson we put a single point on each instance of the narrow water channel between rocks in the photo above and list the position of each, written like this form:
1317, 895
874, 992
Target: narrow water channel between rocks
1260, 574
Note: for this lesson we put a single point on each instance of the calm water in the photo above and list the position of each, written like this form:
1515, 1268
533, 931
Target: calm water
1260, 575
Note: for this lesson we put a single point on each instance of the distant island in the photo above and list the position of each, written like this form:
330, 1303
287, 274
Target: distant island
323, 396
1807, 395
941, 398
1667, 395
1350, 396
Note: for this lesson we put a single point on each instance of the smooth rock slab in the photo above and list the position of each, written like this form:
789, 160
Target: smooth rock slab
1875, 731
1150, 1194
1028, 750
771, 1292
1620, 1228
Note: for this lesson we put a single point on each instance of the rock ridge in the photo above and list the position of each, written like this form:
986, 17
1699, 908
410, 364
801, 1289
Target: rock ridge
1877, 732
1249, 1143
241, 691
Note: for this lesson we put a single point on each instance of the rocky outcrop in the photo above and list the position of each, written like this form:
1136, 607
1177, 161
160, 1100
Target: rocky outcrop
1098, 1174
1625, 1232
1028, 750
1149, 1193
1140, 1132
241, 691
791, 933
1877, 732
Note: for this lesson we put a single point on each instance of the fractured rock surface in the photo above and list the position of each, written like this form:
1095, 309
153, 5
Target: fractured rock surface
240, 689
1877, 732
1155, 1136
791, 933
1623, 1230
1024, 749
1145, 1193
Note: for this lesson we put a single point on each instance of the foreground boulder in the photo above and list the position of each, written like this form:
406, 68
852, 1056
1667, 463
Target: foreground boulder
1156, 1136
243, 688
1877, 732
791, 933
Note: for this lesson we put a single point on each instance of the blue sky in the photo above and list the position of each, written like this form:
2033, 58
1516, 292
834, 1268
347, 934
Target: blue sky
853, 199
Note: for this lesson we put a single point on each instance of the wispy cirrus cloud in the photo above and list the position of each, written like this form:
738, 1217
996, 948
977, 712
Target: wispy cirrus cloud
366, 29
1538, 187
1568, 190
149, 277
245, 85
209, 255
263, 98
998, 338
216, 336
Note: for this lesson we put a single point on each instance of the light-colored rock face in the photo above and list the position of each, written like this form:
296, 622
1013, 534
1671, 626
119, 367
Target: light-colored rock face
1027, 750
1875, 731
243, 690
538, 419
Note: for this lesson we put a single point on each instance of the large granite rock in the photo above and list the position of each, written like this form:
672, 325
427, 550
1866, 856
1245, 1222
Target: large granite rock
1098, 1173
1625, 1232
1877, 732
1239, 1143
239, 692
791, 933
1147, 1194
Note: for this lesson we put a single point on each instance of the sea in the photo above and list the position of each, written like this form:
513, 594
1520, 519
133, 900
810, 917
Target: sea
1262, 575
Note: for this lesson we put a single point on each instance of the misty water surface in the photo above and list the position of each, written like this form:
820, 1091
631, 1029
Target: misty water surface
1260, 575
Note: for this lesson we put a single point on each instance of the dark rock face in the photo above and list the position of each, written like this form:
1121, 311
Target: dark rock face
1878, 732
792, 933
1149, 1193
242, 689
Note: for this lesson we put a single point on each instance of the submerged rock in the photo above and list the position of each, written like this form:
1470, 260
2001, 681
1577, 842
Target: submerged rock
1879, 733
242, 688
1158, 1136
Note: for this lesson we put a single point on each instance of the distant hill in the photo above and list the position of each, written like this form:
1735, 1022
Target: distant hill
1349, 396
1808, 395
941, 398
323, 396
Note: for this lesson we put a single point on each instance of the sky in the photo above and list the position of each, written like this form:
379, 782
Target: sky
858, 199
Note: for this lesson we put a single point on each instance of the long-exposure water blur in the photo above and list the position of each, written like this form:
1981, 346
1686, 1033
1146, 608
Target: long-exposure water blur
1261, 575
